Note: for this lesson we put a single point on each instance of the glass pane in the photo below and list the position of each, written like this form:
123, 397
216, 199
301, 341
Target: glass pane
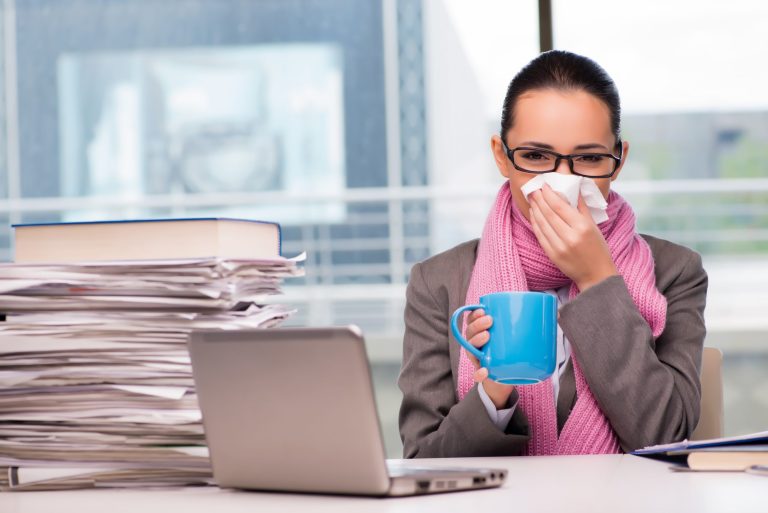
231, 119
682, 56
269, 109
696, 115
358, 142
473, 51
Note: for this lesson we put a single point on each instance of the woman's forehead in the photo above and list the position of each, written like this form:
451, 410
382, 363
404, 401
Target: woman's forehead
561, 118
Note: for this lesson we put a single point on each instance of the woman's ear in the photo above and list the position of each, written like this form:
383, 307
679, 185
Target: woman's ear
624, 155
500, 156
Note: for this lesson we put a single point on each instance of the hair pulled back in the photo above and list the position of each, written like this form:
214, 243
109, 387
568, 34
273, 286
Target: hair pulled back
562, 71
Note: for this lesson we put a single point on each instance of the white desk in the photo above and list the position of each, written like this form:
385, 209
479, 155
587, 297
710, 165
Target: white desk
569, 484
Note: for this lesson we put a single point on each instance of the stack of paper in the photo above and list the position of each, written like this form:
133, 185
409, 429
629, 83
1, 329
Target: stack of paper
199, 285
43, 478
96, 385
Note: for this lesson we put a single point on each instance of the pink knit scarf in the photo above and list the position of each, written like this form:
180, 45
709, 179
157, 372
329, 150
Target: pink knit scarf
509, 258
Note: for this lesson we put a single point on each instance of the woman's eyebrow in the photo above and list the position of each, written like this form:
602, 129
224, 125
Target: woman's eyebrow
538, 145
587, 146
590, 146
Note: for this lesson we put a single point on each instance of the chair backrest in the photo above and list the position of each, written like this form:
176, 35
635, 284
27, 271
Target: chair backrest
711, 419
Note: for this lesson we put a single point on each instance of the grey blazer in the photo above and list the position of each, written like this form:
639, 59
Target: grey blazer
648, 389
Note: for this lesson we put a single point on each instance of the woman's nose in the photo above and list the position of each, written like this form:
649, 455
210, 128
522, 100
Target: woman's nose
563, 167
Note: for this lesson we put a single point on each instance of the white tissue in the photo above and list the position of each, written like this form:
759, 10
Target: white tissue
570, 186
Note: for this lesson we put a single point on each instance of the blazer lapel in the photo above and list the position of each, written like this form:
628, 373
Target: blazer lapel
566, 397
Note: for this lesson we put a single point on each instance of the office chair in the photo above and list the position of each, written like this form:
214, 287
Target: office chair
711, 419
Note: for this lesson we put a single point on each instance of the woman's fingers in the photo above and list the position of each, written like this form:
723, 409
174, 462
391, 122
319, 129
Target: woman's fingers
570, 238
554, 208
475, 314
480, 339
548, 238
480, 375
477, 329
583, 208
543, 242
564, 227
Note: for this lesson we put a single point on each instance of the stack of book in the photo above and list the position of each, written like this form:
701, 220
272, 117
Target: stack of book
96, 386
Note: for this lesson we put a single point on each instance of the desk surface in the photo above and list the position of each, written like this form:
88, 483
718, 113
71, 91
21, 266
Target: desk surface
562, 484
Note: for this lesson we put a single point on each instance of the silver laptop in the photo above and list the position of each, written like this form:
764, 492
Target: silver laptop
292, 409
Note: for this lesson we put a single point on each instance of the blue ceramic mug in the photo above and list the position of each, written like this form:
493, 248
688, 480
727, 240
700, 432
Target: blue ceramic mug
522, 348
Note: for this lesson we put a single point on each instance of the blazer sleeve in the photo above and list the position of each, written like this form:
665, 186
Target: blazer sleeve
649, 390
432, 423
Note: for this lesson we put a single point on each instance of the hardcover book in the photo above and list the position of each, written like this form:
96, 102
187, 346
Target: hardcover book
145, 239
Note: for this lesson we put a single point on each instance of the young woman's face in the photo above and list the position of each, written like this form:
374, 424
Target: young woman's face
566, 122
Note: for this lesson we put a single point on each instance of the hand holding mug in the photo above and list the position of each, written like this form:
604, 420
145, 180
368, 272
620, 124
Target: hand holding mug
517, 344
478, 324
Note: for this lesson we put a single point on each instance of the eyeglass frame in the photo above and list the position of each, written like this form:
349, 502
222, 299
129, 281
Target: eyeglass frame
568, 157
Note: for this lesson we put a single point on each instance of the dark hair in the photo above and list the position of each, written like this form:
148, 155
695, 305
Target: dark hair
563, 71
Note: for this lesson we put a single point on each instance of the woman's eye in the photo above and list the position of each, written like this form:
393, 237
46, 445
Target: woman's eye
590, 159
535, 155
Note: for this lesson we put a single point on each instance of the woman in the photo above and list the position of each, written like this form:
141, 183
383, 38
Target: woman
631, 325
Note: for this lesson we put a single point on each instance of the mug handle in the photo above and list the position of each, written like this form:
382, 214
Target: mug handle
457, 333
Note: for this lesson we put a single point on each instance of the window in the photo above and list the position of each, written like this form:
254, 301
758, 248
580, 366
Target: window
696, 116
363, 127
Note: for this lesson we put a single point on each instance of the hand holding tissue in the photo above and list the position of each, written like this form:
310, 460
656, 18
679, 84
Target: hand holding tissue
570, 186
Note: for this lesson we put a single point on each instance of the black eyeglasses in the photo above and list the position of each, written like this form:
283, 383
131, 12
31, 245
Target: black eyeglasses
538, 161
